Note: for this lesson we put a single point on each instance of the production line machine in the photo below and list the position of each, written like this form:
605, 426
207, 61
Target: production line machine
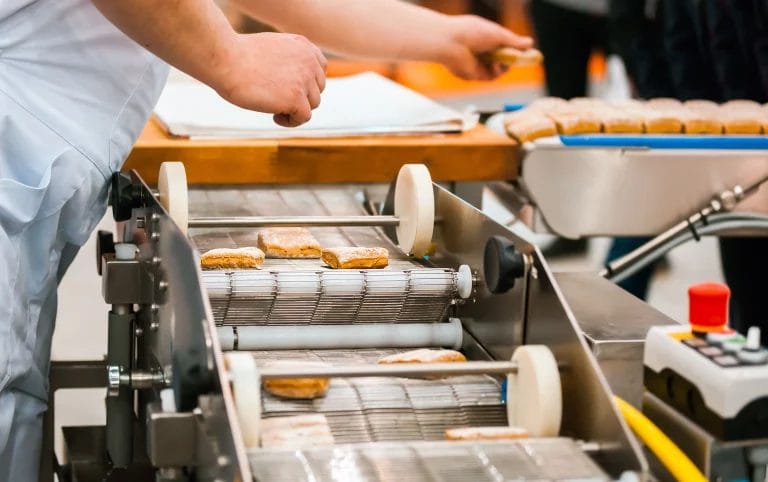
188, 349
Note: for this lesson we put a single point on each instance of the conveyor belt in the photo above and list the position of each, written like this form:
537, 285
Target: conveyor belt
387, 409
534, 459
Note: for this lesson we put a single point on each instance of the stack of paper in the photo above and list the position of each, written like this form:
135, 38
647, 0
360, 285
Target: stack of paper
362, 104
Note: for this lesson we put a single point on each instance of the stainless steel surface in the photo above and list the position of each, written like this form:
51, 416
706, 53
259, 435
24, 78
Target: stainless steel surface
535, 459
717, 459
393, 370
589, 412
633, 192
299, 221
614, 324
172, 438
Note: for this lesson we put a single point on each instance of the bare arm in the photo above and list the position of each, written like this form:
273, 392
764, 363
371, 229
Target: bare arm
248, 70
389, 30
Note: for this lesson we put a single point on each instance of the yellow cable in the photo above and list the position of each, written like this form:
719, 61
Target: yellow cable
678, 464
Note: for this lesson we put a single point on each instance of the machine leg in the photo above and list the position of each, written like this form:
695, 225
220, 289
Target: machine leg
119, 402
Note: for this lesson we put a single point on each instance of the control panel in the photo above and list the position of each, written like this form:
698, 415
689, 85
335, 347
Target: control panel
713, 375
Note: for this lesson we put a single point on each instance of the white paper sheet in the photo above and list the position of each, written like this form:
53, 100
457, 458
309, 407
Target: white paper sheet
362, 104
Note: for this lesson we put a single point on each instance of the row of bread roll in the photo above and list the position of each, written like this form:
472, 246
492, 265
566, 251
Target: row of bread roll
550, 116
293, 243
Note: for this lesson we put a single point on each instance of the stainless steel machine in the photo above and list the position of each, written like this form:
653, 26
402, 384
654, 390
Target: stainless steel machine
188, 349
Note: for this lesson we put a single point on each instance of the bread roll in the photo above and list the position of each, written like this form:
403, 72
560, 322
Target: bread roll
424, 355
288, 243
741, 117
486, 433
297, 388
360, 258
526, 126
664, 103
296, 432
232, 258
701, 117
616, 121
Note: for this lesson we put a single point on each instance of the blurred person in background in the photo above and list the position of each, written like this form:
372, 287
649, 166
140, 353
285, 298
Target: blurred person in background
715, 50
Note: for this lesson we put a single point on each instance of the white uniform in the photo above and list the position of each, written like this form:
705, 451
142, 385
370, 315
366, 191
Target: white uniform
74, 95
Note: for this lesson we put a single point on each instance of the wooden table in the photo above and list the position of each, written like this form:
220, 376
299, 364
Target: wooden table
476, 155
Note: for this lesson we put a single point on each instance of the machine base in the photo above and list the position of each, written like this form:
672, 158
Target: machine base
87, 461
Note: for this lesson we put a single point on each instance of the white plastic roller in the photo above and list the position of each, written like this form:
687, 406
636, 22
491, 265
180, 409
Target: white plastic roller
534, 393
172, 193
246, 388
415, 209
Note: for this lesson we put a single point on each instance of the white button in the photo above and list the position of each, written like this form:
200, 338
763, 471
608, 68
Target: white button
753, 338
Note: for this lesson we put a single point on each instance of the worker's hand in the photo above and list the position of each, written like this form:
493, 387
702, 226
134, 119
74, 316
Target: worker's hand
469, 38
281, 74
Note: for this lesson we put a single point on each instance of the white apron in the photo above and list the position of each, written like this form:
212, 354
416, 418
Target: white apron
74, 95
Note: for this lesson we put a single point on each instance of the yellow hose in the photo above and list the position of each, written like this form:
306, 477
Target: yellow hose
678, 464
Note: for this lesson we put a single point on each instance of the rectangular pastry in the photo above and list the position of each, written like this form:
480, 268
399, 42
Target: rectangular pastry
296, 388
486, 433
296, 432
424, 355
654, 121
288, 243
741, 117
615, 121
526, 126
570, 122
360, 258
232, 258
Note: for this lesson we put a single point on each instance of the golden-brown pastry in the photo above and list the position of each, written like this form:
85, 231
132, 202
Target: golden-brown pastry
545, 104
570, 122
663, 103
526, 126
486, 433
741, 117
298, 388
616, 121
360, 258
700, 118
288, 243
424, 355
295, 432
232, 258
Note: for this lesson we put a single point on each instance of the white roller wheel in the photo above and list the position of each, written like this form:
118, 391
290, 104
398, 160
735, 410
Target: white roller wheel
534, 393
172, 192
415, 208
246, 388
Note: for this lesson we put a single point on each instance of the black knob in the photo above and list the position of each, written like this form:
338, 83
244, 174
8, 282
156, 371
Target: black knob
502, 264
124, 196
105, 244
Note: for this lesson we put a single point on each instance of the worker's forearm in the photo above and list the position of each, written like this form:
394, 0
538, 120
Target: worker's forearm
192, 35
381, 29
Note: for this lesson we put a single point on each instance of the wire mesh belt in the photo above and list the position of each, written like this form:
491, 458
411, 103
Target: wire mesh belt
387, 409
331, 297
534, 459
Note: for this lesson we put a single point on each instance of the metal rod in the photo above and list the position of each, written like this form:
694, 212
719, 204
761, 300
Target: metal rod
394, 370
292, 221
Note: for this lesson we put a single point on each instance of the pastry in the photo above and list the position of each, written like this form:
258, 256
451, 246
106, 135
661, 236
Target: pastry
615, 121
741, 117
569, 122
701, 117
664, 103
486, 433
232, 258
424, 355
526, 126
362, 258
298, 388
288, 243
296, 432
545, 104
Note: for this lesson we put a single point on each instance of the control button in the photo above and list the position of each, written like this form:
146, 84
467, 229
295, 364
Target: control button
718, 337
733, 345
726, 361
710, 351
695, 342
752, 352
708, 306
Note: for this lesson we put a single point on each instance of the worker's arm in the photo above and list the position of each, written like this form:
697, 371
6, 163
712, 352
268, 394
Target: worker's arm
389, 30
281, 74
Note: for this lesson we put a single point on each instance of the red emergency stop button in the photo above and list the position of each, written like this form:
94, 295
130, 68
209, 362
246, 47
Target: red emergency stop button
708, 306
